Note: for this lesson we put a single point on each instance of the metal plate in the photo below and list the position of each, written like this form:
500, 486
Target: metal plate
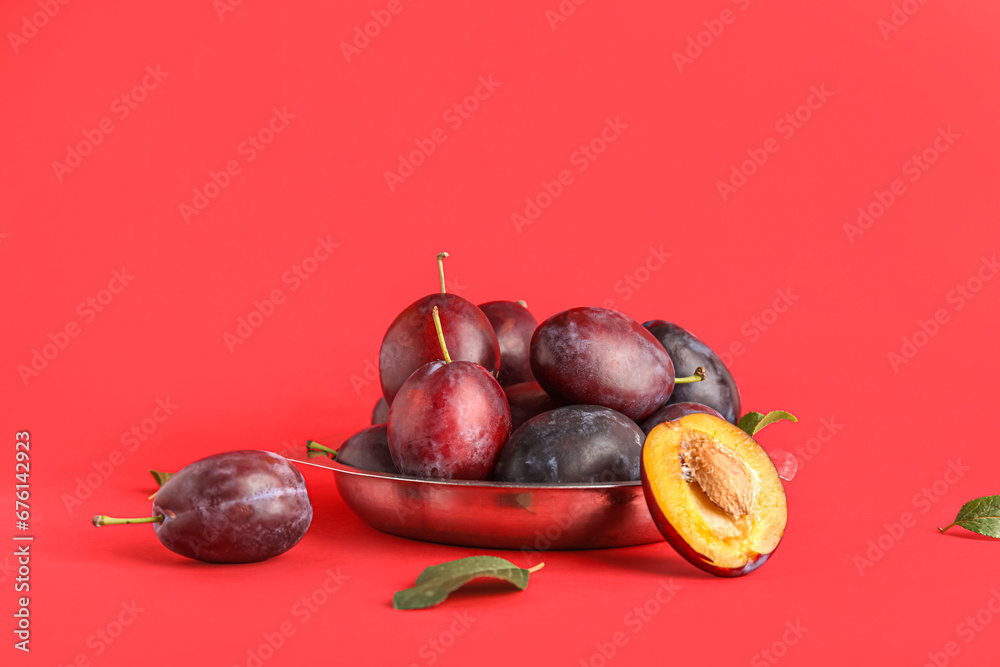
497, 515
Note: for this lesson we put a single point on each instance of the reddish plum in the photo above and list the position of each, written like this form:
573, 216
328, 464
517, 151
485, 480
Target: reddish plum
513, 325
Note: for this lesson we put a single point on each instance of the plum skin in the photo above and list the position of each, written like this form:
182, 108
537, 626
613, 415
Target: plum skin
718, 390
380, 413
672, 411
368, 449
572, 444
236, 507
599, 356
449, 421
514, 326
527, 400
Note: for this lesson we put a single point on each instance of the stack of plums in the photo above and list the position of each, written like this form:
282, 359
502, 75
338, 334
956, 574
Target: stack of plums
486, 393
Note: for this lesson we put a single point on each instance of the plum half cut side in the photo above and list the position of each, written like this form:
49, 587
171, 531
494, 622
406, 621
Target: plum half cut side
693, 467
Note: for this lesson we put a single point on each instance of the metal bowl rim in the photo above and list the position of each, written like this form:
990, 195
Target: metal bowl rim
468, 483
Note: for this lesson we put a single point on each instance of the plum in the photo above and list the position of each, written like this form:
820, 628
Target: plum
526, 400
718, 391
411, 341
714, 494
597, 356
672, 411
514, 326
448, 420
576, 443
236, 507
368, 449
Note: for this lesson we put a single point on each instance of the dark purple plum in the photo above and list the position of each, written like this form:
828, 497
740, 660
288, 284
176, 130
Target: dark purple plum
411, 340
235, 507
572, 444
598, 356
513, 325
672, 411
368, 449
718, 390
380, 413
526, 400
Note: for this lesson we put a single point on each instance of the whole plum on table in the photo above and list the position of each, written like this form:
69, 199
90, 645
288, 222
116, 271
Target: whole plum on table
576, 443
235, 507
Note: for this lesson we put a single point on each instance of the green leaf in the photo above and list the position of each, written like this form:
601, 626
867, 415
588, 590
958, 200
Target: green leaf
981, 515
160, 476
436, 582
753, 422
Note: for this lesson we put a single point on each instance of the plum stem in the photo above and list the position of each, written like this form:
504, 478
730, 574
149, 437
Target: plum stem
441, 256
102, 520
313, 446
536, 568
440, 333
699, 375
947, 527
523, 303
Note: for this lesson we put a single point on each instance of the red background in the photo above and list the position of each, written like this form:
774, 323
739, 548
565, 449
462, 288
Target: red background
656, 186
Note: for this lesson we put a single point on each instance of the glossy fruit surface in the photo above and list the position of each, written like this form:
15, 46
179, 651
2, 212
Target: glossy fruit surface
448, 421
380, 413
235, 507
526, 400
718, 390
597, 356
368, 449
576, 443
514, 326
411, 340
672, 411
714, 494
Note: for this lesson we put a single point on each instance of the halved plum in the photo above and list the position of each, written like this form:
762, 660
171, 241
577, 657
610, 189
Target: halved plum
713, 493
